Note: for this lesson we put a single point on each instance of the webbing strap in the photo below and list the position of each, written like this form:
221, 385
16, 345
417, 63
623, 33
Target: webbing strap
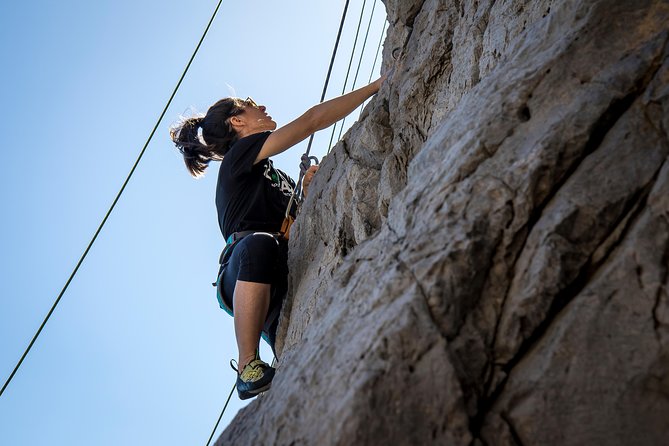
235, 236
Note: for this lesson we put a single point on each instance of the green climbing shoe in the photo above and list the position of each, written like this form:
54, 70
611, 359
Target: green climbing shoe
254, 379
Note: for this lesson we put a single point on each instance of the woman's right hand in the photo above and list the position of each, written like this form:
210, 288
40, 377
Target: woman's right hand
384, 77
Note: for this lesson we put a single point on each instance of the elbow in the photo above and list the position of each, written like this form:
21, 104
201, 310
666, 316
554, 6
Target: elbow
315, 119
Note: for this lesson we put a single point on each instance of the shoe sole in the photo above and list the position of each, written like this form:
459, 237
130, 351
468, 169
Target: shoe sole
251, 394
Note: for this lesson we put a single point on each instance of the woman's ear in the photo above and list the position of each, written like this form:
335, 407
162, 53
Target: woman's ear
237, 122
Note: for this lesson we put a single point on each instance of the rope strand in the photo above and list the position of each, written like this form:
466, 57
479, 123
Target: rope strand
221, 415
134, 167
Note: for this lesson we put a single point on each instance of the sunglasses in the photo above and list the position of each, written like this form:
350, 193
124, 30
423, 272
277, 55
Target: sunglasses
250, 102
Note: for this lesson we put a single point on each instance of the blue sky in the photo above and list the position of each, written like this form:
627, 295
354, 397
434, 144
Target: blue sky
137, 351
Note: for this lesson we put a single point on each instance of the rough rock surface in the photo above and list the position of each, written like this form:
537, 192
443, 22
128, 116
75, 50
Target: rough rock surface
483, 259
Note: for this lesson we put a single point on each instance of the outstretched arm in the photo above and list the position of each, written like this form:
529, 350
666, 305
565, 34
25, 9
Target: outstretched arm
316, 118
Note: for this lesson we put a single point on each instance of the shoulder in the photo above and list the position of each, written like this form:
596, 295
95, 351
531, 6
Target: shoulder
242, 154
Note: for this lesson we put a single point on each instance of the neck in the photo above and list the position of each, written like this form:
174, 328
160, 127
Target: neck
243, 133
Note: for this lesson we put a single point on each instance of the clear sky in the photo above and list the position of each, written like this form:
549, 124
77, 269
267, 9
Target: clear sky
137, 351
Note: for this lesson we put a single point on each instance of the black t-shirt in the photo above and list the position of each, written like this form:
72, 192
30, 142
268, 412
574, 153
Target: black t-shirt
251, 197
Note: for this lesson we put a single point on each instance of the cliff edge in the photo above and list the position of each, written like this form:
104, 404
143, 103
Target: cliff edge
483, 259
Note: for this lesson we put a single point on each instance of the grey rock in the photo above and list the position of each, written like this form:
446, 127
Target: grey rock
484, 257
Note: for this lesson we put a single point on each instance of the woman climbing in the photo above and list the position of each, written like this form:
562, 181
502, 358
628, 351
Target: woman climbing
251, 199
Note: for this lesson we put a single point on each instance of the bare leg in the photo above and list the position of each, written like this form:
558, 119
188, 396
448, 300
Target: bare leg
251, 303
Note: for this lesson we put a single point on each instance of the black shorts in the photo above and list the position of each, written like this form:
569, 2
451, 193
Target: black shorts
260, 258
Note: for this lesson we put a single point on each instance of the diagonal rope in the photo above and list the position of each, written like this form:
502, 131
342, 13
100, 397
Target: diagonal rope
141, 154
222, 412
362, 53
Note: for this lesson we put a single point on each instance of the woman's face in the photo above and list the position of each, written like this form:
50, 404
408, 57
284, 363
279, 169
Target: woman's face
255, 118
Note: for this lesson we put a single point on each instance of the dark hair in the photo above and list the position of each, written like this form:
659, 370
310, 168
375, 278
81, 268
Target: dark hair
217, 135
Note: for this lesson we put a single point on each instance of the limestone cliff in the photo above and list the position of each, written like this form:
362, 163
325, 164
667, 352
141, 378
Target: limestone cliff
484, 258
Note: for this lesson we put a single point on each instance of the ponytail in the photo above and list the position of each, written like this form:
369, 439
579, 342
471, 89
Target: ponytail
217, 135
186, 138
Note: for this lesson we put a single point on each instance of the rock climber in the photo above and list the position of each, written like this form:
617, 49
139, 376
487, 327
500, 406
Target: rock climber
251, 199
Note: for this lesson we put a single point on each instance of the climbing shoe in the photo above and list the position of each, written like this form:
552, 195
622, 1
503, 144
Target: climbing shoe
254, 379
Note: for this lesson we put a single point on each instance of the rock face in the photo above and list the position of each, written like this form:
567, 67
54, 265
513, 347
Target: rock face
483, 259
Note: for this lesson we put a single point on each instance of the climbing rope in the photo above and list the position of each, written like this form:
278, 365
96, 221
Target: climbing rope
221, 415
141, 154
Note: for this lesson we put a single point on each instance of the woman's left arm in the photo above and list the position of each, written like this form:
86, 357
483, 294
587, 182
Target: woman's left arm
308, 176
